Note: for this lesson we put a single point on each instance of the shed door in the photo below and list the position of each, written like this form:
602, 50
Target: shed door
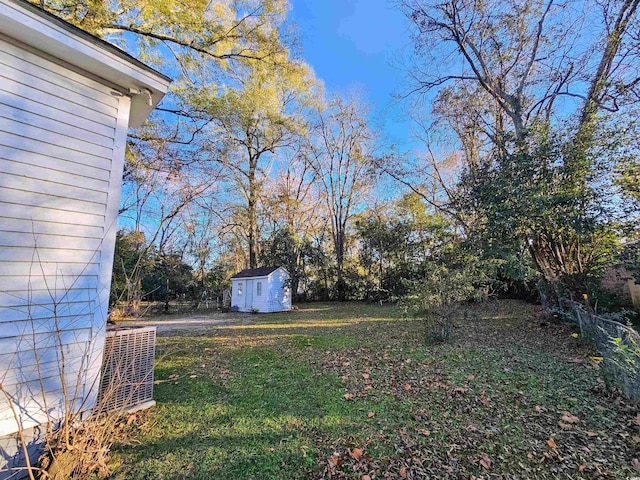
62, 139
249, 297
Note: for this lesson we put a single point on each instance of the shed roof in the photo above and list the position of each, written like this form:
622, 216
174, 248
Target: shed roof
256, 272
53, 36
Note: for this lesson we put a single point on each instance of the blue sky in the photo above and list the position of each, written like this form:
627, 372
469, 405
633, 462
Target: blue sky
357, 45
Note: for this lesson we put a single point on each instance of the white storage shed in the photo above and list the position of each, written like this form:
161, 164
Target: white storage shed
264, 290
67, 99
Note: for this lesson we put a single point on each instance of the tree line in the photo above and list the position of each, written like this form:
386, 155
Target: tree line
525, 182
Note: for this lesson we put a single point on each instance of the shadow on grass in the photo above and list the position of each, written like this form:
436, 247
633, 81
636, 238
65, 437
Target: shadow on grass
266, 402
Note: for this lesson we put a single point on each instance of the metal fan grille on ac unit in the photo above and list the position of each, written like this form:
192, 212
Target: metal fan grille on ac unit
127, 369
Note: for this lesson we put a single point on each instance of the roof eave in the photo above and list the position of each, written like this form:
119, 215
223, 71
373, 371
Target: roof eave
53, 36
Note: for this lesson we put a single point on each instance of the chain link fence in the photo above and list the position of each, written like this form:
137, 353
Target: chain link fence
619, 345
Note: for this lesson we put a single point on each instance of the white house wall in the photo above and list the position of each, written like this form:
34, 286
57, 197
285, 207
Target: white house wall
62, 138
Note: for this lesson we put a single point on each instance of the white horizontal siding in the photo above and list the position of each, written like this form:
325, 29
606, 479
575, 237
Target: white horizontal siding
25, 298
35, 65
45, 131
47, 255
56, 179
52, 282
50, 111
63, 321
62, 140
54, 83
55, 165
19, 239
66, 309
60, 151
8, 194
31, 407
29, 343
36, 227
10, 86
35, 269
41, 213
29, 358
70, 130
43, 370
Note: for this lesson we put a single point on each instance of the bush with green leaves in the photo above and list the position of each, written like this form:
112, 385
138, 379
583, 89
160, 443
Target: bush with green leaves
453, 276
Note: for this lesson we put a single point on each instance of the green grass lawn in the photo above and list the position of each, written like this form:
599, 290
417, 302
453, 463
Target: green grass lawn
352, 390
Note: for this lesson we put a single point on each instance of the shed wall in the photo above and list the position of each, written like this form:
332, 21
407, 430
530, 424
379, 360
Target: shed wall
275, 295
280, 296
62, 139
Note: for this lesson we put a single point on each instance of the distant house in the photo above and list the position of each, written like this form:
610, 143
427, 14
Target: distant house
617, 280
264, 289
67, 99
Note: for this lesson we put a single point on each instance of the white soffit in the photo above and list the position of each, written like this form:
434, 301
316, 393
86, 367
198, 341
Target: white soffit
36, 28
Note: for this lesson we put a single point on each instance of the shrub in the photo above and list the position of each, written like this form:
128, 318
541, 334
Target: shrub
458, 277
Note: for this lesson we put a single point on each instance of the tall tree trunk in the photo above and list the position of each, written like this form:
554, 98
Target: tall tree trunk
252, 213
341, 293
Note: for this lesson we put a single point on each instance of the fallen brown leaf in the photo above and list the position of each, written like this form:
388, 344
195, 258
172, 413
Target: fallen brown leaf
552, 443
582, 467
403, 472
407, 386
334, 460
569, 418
485, 462
371, 414
365, 376
356, 453
348, 396
365, 477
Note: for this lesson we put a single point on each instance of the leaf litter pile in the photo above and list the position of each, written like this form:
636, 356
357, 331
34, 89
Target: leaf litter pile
354, 392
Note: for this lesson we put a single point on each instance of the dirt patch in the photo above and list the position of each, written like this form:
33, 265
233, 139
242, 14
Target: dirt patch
194, 324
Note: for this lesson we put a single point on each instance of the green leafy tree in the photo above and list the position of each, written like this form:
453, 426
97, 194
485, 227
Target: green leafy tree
527, 202
287, 249
524, 87
453, 273
256, 120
